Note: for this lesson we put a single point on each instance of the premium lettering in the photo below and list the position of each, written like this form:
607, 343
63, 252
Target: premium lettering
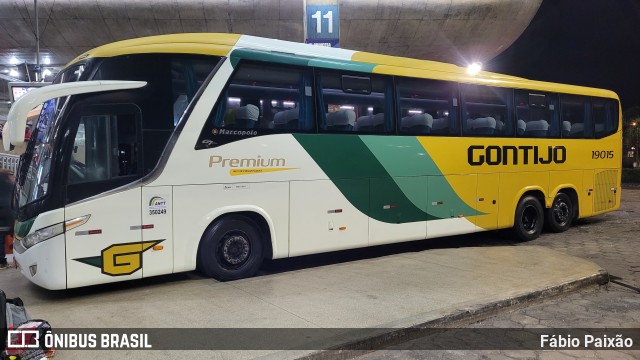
257, 162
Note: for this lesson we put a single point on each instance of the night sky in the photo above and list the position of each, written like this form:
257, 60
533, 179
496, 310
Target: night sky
582, 42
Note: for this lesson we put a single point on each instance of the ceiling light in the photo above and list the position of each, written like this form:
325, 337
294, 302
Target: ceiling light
474, 68
14, 60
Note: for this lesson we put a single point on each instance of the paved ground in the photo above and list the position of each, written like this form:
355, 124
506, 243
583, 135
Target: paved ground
613, 242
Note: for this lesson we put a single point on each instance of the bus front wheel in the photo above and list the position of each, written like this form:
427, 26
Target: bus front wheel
561, 214
231, 248
529, 219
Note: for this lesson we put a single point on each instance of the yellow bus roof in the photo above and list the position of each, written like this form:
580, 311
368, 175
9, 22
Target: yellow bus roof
221, 44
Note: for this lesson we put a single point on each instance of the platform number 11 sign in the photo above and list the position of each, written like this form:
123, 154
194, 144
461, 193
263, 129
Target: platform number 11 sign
323, 24
318, 16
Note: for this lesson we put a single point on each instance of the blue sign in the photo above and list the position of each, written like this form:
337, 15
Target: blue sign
323, 22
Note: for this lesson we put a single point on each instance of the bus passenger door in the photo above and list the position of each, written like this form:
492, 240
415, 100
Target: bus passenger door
157, 230
103, 201
487, 201
106, 248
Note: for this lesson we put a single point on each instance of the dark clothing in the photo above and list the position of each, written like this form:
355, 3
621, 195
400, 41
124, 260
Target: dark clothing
6, 214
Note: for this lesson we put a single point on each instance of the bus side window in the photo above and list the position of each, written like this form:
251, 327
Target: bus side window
536, 114
486, 110
355, 103
105, 153
575, 121
261, 98
426, 106
605, 116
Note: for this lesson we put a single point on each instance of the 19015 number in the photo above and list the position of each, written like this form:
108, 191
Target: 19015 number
595, 154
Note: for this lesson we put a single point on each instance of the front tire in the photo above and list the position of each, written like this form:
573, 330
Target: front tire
561, 214
231, 248
529, 219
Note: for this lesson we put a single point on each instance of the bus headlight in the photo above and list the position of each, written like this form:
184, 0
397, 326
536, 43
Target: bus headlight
43, 234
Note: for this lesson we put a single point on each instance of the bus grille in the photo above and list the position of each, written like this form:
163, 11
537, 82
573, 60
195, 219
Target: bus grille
605, 197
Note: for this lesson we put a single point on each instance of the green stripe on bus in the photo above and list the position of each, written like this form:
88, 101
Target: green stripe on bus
352, 167
342, 65
300, 60
409, 165
268, 56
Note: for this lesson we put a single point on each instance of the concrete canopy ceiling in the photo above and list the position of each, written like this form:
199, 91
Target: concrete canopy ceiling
456, 31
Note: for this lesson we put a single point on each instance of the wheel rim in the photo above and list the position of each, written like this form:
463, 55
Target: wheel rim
529, 218
234, 250
561, 212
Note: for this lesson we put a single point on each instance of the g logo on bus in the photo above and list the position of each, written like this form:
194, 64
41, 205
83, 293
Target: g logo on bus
120, 259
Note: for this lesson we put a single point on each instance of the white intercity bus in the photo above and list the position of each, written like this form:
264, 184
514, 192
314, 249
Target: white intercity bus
215, 151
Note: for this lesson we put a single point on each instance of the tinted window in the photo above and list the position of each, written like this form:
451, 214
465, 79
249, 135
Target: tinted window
355, 103
105, 153
485, 110
537, 114
260, 99
605, 116
427, 107
575, 120
172, 82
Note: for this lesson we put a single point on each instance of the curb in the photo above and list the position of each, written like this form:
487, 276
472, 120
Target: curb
355, 348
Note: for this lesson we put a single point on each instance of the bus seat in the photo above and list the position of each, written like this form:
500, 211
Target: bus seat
247, 116
378, 122
279, 120
566, 128
599, 128
537, 128
371, 123
577, 130
522, 127
341, 120
482, 126
440, 125
291, 118
418, 123
499, 126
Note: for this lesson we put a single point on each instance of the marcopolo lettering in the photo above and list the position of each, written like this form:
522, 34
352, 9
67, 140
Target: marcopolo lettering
514, 155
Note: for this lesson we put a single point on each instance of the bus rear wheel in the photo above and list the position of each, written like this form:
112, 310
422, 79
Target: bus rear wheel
560, 216
231, 248
529, 219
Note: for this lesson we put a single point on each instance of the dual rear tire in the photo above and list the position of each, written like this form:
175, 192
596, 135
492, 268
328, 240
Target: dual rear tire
531, 217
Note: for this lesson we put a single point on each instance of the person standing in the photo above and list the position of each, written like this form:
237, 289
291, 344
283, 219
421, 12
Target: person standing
6, 214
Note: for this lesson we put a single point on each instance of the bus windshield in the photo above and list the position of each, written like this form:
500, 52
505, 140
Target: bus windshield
36, 179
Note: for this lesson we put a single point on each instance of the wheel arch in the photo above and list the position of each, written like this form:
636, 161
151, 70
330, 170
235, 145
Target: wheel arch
570, 191
534, 191
255, 213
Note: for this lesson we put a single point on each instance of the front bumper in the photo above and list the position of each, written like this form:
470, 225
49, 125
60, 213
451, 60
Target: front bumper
44, 264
